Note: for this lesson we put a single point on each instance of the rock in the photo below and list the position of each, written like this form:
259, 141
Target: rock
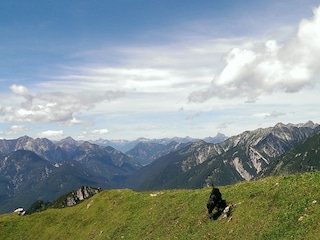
82, 193
20, 211
227, 211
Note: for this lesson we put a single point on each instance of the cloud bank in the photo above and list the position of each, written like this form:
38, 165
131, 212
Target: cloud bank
269, 67
59, 107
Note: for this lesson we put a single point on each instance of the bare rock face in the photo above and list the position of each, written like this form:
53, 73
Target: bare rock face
82, 193
85, 192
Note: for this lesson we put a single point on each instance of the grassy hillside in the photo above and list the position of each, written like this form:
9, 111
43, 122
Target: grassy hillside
271, 208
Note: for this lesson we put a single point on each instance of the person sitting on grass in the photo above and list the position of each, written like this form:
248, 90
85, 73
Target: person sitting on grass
215, 201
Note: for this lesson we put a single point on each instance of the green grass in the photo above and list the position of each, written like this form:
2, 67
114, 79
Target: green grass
271, 208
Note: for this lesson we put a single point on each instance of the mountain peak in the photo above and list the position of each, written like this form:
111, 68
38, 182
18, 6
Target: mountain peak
25, 138
68, 140
308, 124
280, 125
220, 137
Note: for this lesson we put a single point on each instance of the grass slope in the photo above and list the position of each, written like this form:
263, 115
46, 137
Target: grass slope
270, 208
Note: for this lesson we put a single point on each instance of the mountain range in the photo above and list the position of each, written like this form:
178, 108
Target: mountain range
241, 157
127, 145
34, 169
40, 169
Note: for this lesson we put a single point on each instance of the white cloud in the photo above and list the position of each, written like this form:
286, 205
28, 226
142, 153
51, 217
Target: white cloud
93, 134
144, 83
269, 67
16, 129
275, 114
51, 133
75, 121
4, 110
22, 91
19, 90
100, 131
59, 107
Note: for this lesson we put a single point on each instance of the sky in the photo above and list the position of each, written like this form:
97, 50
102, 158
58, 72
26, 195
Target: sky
124, 69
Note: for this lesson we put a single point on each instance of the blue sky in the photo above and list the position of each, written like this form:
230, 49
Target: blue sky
144, 68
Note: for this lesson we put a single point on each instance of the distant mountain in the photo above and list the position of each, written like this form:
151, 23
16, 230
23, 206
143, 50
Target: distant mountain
21, 170
304, 157
169, 148
41, 147
167, 171
144, 152
126, 145
220, 137
28, 177
121, 145
68, 149
38, 168
45, 148
104, 161
147, 152
238, 158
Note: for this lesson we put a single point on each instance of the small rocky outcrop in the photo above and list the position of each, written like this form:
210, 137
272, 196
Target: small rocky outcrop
82, 193
67, 200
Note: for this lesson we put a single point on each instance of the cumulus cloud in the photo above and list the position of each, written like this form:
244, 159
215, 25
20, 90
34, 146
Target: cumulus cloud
60, 107
269, 67
50, 133
22, 91
19, 90
96, 133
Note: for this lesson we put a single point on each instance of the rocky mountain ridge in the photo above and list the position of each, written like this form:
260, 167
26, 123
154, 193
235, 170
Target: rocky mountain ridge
304, 157
241, 157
